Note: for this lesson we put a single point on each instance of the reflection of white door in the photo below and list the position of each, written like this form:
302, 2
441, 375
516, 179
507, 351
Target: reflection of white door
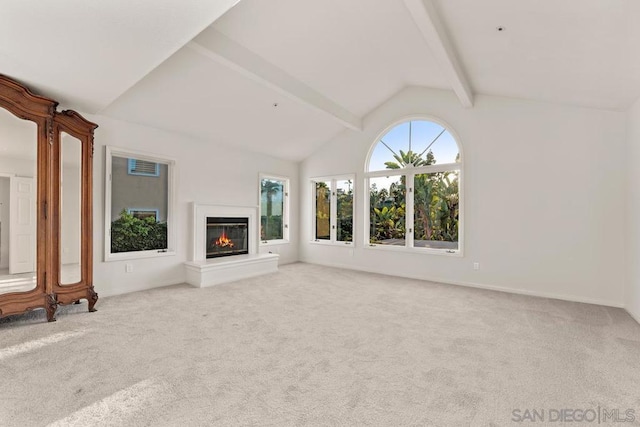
22, 219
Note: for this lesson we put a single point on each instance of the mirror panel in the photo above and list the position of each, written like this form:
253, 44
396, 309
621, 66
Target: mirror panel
18, 202
70, 209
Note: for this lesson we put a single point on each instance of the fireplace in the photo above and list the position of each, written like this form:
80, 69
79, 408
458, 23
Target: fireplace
208, 270
227, 236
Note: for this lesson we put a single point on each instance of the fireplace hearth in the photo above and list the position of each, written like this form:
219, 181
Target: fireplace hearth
202, 270
227, 236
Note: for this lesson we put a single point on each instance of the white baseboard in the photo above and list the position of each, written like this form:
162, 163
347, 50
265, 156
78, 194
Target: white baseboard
563, 297
111, 291
633, 315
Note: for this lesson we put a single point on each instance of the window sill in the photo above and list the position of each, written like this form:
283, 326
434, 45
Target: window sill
428, 251
274, 242
121, 256
330, 243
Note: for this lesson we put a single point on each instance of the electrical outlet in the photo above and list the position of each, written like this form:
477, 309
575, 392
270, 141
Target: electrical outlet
128, 268
476, 266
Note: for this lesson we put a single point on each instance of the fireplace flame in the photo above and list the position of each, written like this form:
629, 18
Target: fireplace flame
224, 242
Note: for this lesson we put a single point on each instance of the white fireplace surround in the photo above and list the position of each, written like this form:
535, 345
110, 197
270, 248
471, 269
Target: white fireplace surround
202, 212
203, 272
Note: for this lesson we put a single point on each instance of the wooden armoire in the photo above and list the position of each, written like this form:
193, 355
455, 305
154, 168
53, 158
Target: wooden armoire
46, 159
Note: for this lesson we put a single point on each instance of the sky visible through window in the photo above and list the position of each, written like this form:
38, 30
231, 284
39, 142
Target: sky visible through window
422, 134
344, 184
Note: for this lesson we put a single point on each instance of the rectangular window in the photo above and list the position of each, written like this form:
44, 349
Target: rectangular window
274, 209
143, 167
333, 210
387, 206
134, 180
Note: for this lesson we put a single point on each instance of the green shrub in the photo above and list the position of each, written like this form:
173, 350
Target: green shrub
129, 234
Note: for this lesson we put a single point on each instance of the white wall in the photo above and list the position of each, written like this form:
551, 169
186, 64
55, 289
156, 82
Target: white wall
206, 172
544, 197
632, 295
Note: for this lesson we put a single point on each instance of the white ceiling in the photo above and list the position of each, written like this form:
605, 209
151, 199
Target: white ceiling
326, 63
356, 54
566, 51
86, 53
191, 94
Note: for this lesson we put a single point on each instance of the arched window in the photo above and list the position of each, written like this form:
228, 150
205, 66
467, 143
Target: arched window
414, 176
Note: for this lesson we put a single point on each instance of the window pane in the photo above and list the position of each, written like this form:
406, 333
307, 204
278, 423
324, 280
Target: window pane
344, 198
131, 195
417, 143
436, 200
387, 210
392, 142
436, 144
323, 211
271, 209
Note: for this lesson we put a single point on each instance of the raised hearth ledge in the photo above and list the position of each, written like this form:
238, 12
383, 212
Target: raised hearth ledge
229, 269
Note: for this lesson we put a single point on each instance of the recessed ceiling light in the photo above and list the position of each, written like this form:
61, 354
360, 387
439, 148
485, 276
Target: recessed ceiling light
275, 104
500, 28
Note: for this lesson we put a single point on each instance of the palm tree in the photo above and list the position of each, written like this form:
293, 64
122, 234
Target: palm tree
423, 197
270, 189
410, 158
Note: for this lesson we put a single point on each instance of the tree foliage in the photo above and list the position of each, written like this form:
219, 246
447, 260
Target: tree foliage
271, 225
436, 203
129, 234
344, 211
345, 214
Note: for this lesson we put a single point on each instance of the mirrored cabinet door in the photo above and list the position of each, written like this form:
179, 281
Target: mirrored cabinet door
70, 209
26, 125
72, 225
18, 204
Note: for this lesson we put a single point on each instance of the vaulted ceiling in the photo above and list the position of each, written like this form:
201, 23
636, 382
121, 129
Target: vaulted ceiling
283, 76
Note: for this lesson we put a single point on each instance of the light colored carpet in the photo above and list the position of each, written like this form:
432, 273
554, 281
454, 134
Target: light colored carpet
312, 345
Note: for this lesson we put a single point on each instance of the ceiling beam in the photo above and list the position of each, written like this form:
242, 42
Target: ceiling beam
220, 48
430, 25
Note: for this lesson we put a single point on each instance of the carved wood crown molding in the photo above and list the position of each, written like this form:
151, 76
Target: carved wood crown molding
19, 100
74, 121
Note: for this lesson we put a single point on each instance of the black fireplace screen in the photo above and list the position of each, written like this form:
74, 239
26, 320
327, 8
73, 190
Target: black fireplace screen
227, 236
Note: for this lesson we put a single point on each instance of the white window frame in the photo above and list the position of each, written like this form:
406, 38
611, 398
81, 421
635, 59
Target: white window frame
285, 209
410, 172
133, 211
110, 152
333, 214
